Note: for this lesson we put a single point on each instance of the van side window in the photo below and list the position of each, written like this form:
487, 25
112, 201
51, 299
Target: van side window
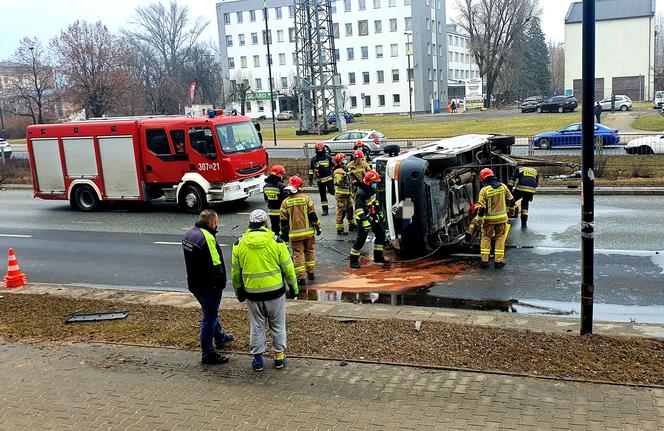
177, 137
158, 142
202, 141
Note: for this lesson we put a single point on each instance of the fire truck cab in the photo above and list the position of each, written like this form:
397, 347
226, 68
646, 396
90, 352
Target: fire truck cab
194, 161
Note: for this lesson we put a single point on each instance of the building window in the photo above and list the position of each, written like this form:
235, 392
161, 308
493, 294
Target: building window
456, 40
252, 15
337, 54
227, 18
363, 27
450, 73
429, 48
365, 77
363, 4
243, 62
229, 40
396, 99
380, 76
392, 3
291, 11
239, 16
241, 39
353, 102
351, 78
394, 50
379, 51
294, 57
408, 23
449, 39
456, 57
350, 53
267, 37
346, 5
277, 12
254, 38
430, 75
409, 48
378, 26
367, 101
335, 30
261, 106
349, 29
393, 24
248, 107
291, 34
376, 4
259, 84
257, 61
450, 56
282, 59
231, 63
365, 52
395, 75
268, 59
406, 2
428, 24
381, 100
333, 3
280, 35
284, 82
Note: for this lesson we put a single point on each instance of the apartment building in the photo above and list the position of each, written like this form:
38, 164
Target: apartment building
373, 39
460, 62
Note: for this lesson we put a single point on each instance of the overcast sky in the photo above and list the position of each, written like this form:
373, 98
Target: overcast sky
46, 18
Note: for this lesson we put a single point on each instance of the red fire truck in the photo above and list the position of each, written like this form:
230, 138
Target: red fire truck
194, 161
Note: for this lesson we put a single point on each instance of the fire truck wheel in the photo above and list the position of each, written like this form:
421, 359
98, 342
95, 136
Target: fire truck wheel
192, 199
84, 198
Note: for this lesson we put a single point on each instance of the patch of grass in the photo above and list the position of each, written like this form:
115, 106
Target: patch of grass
643, 106
21, 141
650, 122
15, 171
400, 127
612, 170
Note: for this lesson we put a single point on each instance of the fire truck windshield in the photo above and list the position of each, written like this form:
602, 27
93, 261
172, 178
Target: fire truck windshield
238, 137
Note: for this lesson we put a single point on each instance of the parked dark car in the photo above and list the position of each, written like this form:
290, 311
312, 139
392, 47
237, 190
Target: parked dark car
558, 104
570, 136
332, 117
529, 104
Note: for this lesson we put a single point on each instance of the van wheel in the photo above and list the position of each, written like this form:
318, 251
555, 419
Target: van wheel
84, 198
192, 199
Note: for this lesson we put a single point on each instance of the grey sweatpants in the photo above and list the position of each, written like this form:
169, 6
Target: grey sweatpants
272, 312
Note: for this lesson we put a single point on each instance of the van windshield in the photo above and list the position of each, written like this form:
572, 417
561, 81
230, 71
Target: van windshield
237, 137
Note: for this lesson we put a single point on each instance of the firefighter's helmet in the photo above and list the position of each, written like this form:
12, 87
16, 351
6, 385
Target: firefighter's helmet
371, 177
358, 154
319, 146
339, 158
486, 172
359, 144
277, 170
296, 182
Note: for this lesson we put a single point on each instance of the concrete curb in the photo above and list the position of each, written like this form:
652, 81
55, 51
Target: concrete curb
347, 311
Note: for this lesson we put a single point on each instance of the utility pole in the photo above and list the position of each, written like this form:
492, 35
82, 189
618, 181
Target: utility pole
587, 170
269, 71
410, 81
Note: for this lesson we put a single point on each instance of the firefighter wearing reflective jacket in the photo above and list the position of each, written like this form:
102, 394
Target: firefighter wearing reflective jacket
321, 168
369, 218
299, 224
342, 195
523, 186
357, 169
494, 202
274, 193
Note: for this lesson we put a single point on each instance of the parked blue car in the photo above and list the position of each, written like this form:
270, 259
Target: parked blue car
332, 118
570, 136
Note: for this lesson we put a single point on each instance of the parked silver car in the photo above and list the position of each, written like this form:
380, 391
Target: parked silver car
5, 148
623, 103
344, 142
285, 115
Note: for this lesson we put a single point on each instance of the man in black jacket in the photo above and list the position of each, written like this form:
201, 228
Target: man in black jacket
206, 279
274, 192
321, 167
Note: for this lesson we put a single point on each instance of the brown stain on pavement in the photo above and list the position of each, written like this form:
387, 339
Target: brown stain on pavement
392, 278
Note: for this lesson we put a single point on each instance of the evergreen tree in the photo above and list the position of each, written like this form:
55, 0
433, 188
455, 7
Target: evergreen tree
535, 75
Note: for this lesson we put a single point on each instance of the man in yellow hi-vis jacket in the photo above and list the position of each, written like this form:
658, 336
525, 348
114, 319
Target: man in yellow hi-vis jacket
261, 269
492, 207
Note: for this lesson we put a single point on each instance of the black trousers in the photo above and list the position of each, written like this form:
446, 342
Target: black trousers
362, 234
526, 198
323, 189
275, 221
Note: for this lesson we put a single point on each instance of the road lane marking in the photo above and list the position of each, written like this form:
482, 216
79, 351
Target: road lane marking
179, 243
11, 235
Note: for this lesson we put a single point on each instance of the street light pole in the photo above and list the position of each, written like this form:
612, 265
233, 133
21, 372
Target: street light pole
587, 169
410, 83
269, 71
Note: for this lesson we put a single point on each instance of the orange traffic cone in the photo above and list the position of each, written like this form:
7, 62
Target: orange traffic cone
14, 278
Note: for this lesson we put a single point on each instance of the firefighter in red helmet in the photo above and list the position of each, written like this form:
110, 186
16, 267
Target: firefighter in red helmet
321, 168
493, 205
274, 193
369, 218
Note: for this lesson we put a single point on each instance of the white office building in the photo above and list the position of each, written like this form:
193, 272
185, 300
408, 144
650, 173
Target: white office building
461, 66
371, 46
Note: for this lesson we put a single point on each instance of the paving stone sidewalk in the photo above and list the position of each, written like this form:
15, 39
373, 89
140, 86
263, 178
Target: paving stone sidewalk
95, 387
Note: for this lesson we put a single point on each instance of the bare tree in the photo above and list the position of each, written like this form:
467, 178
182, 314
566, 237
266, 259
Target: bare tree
659, 52
494, 26
557, 66
90, 58
240, 88
33, 84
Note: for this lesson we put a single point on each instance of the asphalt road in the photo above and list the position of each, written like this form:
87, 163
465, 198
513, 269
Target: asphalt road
139, 247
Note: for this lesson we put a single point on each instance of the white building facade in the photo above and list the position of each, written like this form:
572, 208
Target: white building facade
460, 62
371, 47
625, 49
